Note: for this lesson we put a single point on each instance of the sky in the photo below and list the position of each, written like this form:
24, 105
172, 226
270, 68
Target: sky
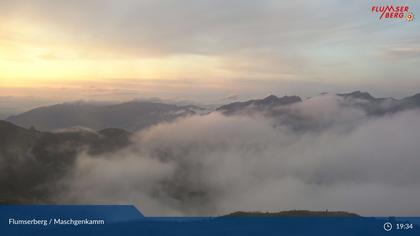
204, 50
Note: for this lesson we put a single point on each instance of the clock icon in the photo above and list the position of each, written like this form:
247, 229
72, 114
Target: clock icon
387, 226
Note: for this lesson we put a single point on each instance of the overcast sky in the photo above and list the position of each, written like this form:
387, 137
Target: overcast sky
204, 50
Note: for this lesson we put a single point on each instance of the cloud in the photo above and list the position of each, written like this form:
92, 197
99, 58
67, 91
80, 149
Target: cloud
129, 178
245, 46
215, 164
190, 27
402, 53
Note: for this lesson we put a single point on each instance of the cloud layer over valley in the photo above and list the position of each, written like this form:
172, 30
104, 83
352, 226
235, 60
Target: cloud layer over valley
336, 158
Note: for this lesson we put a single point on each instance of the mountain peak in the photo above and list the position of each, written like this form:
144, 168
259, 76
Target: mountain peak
413, 101
271, 97
415, 97
274, 100
358, 95
270, 101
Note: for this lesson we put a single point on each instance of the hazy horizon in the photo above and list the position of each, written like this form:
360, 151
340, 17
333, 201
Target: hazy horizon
11, 105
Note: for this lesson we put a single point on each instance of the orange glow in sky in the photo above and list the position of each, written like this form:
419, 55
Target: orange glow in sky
31, 55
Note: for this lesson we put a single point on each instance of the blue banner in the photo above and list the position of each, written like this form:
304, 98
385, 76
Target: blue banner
127, 220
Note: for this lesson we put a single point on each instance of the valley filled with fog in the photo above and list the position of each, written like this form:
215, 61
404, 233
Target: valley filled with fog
349, 152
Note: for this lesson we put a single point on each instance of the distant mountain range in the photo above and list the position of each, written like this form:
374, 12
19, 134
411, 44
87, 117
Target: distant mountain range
259, 104
130, 116
39, 147
358, 99
380, 106
137, 115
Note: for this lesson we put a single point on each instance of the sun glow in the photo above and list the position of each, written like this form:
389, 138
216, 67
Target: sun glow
31, 56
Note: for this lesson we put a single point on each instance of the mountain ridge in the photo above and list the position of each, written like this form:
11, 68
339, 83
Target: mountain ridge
33, 160
265, 103
130, 116
137, 115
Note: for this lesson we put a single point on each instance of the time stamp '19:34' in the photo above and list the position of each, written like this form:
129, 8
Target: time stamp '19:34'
398, 226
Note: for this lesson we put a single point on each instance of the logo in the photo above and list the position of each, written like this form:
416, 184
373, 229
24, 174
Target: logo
410, 16
393, 12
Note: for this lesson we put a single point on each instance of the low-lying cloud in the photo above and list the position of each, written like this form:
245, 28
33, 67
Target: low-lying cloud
216, 164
